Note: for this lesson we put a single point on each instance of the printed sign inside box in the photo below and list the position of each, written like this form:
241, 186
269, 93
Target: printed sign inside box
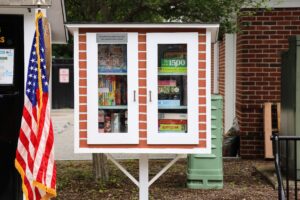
112, 58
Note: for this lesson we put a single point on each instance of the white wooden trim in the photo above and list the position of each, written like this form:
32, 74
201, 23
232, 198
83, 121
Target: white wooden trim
76, 92
208, 91
163, 170
94, 137
230, 79
142, 25
123, 169
191, 39
145, 150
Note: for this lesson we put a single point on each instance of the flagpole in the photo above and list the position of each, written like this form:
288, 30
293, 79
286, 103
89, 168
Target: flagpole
40, 102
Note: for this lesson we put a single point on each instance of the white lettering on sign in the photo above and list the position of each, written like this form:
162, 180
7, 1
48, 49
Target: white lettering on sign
111, 38
6, 66
64, 75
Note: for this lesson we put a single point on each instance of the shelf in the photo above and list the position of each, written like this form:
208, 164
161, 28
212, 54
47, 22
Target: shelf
112, 73
113, 107
172, 74
173, 108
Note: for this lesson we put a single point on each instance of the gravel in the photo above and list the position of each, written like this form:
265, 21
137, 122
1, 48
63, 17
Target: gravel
241, 181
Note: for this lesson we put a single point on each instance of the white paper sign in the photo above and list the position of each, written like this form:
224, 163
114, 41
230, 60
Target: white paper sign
64, 75
6, 66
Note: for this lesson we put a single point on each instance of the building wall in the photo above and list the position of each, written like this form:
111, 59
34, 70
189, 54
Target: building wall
221, 80
263, 38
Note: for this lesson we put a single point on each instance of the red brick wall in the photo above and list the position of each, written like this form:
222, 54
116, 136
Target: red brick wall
259, 46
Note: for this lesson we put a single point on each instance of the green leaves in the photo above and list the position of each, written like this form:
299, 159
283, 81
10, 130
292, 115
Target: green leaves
224, 12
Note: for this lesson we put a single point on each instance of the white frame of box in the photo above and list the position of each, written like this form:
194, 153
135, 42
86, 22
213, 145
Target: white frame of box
153, 136
132, 136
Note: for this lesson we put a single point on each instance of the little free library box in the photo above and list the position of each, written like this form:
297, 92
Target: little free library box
142, 88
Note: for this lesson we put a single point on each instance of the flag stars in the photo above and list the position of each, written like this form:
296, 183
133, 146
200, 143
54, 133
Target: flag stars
36, 70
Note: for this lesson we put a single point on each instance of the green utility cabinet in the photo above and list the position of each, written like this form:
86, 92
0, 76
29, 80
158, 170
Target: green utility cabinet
206, 171
290, 102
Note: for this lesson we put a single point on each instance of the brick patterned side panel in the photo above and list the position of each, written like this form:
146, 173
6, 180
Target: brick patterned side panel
221, 81
142, 87
202, 87
222, 67
82, 88
264, 37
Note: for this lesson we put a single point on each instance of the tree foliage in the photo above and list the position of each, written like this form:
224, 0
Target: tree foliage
224, 12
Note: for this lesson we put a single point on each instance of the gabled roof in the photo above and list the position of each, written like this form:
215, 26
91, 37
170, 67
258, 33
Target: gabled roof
214, 28
57, 18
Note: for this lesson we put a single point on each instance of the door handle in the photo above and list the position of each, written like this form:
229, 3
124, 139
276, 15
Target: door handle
150, 95
134, 98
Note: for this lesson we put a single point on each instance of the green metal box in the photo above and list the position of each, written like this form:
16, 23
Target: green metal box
206, 171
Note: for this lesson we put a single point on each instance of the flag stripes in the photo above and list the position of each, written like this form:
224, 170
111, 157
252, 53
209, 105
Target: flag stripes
35, 151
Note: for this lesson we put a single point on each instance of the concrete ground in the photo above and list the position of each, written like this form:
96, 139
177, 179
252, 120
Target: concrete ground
63, 126
268, 171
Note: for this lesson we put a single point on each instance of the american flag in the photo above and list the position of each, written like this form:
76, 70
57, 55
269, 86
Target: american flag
35, 151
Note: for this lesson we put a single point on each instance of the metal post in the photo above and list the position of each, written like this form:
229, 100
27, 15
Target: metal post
144, 176
295, 166
287, 168
281, 195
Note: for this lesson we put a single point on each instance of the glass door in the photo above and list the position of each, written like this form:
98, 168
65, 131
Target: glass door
112, 95
172, 88
112, 88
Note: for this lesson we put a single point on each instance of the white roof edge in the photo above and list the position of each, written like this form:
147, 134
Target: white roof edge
138, 25
71, 26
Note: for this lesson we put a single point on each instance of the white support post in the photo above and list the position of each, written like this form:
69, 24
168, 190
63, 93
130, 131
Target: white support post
165, 169
144, 177
144, 183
